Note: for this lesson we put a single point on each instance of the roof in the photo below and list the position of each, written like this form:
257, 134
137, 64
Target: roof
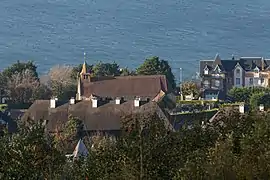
247, 63
125, 86
106, 117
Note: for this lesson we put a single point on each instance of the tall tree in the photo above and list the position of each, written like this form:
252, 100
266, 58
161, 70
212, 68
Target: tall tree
61, 82
21, 86
106, 69
155, 66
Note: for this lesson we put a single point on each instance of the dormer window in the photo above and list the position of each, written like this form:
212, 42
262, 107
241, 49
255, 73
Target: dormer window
206, 70
256, 70
238, 71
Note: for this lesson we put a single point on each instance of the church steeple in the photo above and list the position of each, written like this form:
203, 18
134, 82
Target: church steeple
84, 69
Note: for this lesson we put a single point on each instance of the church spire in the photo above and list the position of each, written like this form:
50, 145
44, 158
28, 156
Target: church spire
84, 70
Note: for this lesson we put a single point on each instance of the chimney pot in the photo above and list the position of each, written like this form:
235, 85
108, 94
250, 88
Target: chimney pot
242, 108
52, 103
117, 100
72, 100
137, 102
94, 102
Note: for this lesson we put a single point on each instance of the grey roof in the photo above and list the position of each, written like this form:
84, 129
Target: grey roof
247, 63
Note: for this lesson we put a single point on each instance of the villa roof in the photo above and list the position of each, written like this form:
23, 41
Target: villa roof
247, 63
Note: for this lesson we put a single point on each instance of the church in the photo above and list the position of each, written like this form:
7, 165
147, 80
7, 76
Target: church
120, 87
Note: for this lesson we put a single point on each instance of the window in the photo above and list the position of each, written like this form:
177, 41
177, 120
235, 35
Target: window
237, 81
206, 84
217, 83
250, 81
206, 71
262, 80
238, 72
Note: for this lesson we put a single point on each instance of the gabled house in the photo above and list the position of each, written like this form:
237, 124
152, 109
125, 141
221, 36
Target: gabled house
218, 76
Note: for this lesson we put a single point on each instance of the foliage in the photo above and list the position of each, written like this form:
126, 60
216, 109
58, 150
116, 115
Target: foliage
155, 66
20, 67
234, 146
190, 87
260, 98
106, 69
67, 136
243, 94
29, 154
21, 86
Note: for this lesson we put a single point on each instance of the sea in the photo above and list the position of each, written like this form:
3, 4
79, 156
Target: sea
52, 32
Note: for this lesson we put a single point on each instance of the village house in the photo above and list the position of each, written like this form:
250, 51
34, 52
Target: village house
101, 102
219, 76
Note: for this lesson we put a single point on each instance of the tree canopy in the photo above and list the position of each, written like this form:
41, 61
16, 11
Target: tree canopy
155, 66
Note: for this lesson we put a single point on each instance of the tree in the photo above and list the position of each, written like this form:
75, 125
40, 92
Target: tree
190, 88
106, 69
14, 70
29, 154
155, 66
67, 136
257, 99
21, 86
243, 94
61, 82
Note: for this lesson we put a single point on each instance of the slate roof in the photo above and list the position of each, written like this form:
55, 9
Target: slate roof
126, 86
247, 63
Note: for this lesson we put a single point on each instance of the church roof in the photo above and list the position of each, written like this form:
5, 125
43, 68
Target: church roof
125, 86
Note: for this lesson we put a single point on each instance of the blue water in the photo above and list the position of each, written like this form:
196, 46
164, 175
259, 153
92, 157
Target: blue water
183, 32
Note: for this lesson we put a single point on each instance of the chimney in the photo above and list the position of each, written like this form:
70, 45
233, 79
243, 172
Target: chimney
118, 100
261, 107
72, 100
242, 108
94, 102
53, 103
137, 102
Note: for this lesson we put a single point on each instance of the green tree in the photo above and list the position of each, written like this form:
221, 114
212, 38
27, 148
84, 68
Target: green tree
106, 69
20, 67
155, 66
260, 98
243, 94
67, 136
29, 154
